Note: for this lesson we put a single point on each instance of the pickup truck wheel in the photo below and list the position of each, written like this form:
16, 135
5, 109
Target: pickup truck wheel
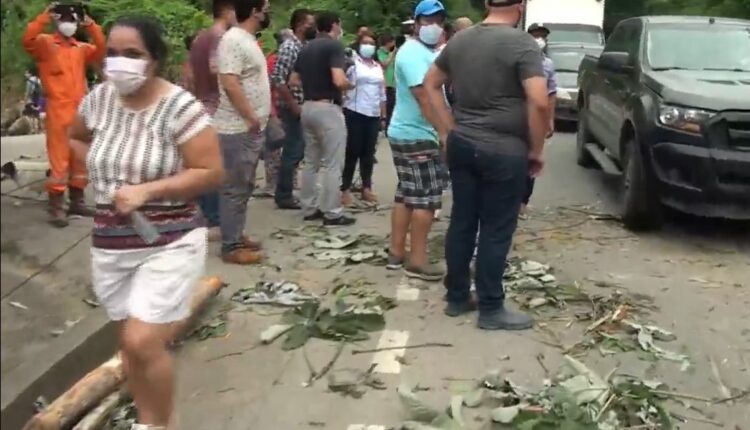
641, 209
583, 136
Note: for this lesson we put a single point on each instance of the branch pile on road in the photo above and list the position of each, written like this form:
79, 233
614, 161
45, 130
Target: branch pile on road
613, 319
338, 248
356, 311
577, 398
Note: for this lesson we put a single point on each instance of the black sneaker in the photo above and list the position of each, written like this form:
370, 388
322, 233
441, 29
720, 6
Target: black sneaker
504, 319
317, 216
457, 309
289, 205
342, 221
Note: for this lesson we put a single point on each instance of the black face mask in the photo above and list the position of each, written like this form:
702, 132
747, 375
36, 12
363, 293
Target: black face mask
266, 21
311, 33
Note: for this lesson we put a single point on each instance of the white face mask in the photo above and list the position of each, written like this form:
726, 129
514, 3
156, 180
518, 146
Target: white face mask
67, 28
541, 42
127, 74
430, 34
367, 50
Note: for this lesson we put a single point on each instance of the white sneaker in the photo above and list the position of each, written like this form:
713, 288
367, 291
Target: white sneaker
147, 427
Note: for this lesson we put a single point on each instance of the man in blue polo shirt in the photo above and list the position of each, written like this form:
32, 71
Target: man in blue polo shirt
415, 147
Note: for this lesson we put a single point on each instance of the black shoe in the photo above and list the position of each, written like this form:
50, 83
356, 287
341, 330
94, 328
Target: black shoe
457, 309
289, 205
318, 215
504, 319
342, 221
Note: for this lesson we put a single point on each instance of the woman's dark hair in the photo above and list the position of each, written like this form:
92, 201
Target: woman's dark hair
326, 20
358, 41
152, 35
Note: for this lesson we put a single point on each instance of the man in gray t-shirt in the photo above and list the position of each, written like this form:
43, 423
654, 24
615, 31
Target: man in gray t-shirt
494, 142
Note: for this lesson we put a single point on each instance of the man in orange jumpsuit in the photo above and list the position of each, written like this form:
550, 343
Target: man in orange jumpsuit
62, 60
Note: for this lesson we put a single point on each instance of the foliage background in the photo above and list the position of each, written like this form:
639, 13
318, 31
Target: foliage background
182, 18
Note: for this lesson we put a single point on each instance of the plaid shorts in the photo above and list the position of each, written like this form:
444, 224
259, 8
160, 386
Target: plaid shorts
420, 171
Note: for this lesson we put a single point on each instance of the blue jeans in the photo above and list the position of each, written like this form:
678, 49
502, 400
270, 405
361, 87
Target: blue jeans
209, 204
293, 150
487, 191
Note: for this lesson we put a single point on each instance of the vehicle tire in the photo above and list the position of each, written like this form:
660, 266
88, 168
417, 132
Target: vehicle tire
641, 208
583, 136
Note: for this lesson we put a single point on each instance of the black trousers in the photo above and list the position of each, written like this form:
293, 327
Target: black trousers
390, 103
361, 139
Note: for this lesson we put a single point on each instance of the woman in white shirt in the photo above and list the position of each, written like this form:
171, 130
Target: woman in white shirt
150, 150
364, 110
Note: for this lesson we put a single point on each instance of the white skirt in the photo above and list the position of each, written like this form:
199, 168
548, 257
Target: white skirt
153, 285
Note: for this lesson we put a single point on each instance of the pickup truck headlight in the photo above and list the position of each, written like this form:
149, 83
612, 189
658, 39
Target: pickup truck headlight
685, 119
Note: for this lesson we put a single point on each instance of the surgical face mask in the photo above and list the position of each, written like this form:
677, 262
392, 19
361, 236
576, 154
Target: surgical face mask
367, 51
127, 74
541, 42
67, 28
430, 34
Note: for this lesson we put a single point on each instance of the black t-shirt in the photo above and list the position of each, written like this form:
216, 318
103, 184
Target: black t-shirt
314, 65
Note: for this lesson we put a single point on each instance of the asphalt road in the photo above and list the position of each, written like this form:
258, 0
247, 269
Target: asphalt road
697, 272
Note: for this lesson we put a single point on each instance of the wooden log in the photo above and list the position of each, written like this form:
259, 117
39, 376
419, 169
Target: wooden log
88, 392
97, 418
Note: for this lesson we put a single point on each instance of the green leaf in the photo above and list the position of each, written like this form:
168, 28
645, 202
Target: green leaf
415, 408
505, 415
296, 337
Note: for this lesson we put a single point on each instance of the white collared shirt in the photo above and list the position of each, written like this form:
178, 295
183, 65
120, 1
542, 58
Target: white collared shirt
369, 87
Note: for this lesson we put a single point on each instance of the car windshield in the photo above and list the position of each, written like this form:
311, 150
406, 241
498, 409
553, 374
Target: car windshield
699, 47
568, 60
584, 37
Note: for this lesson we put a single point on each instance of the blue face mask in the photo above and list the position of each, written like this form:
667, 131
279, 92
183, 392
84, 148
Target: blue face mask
367, 51
430, 34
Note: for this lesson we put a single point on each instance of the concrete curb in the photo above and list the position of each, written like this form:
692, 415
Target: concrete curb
91, 342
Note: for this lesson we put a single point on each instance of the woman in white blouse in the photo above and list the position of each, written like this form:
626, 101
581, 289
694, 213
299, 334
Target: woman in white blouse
364, 110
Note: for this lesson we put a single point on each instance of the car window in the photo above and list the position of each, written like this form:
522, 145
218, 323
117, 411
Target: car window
626, 38
699, 47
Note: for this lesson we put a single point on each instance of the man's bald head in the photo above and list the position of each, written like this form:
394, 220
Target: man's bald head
462, 24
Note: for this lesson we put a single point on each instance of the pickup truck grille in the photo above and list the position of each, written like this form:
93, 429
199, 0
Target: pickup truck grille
730, 129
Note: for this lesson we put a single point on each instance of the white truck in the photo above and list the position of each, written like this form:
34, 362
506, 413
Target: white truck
579, 22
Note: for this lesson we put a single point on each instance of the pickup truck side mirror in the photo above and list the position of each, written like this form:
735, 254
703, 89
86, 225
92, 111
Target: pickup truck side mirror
618, 62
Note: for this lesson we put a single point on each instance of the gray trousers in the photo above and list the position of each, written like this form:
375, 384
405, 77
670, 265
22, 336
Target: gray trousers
324, 132
240, 153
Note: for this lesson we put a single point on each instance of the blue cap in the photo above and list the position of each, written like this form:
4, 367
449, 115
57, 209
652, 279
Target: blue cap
428, 7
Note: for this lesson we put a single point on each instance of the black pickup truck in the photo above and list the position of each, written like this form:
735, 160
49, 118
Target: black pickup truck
667, 106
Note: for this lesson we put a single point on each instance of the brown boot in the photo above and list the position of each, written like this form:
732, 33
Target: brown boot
242, 256
253, 245
56, 211
78, 204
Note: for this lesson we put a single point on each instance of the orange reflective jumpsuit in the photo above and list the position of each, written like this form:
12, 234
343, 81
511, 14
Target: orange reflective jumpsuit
62, 68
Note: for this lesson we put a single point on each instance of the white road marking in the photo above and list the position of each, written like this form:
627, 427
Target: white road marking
405, 292
387, 361
364, 427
